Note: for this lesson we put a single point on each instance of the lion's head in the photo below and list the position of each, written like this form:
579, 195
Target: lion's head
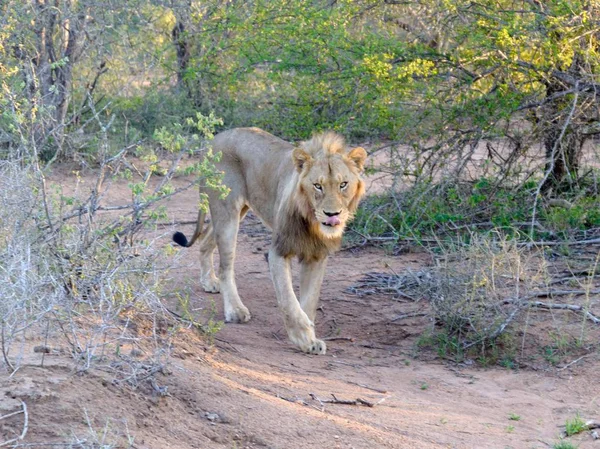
329, 187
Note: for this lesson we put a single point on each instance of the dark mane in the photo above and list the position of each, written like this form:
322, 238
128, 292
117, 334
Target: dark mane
299, 236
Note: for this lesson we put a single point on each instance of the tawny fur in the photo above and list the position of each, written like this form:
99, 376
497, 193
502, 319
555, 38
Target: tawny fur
279, 181
324, 144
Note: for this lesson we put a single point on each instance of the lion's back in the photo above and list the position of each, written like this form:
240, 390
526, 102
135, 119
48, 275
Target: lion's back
258, 165
249, 144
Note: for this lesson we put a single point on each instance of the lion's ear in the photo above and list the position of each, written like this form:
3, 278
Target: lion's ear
301, 158
358, 155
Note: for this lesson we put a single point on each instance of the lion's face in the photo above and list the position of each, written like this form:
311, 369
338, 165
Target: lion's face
330, 187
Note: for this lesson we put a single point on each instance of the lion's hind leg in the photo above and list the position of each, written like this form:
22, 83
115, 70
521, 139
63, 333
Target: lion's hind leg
208, 278
226, 224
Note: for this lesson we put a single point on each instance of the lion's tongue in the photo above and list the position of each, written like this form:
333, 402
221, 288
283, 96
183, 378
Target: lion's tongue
333, 221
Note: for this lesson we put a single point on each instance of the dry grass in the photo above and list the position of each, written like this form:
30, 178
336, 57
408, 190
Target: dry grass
497, 300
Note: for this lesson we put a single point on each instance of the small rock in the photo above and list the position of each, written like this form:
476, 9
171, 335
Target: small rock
211, 416
595, 435
42, 349
136, 353
224, 419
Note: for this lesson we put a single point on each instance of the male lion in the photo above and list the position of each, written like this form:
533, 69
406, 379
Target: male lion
305, 194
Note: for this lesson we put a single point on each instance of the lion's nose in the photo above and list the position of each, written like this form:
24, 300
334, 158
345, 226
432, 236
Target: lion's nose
332, 214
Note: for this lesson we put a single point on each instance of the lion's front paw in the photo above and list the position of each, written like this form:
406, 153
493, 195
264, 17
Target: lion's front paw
239, 314
211, 285
304, 338
317, 347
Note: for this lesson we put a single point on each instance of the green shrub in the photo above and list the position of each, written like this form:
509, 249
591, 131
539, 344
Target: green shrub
455, 211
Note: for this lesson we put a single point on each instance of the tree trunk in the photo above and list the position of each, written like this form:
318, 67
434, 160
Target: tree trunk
48, 73
182, 47
562, 138
562, 158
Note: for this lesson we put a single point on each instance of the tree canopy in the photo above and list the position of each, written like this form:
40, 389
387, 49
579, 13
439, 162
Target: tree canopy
434, 74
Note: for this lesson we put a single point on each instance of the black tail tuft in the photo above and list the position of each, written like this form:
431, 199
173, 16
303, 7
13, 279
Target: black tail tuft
180, 239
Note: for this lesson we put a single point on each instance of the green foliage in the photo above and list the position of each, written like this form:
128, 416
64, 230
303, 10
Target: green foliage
175, 140
210, 327
450, 345
145, 113
564, 445
454, 211
575, 426
445, 345
434, 74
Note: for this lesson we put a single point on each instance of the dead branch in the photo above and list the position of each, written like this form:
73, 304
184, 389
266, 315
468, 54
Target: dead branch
524, 302
387, 284
574, 362
4, 352
408, 315
335, 400
25, 425
338, 339
553, 155
574, 308
496, 333
592, 425
560, 243
552, 293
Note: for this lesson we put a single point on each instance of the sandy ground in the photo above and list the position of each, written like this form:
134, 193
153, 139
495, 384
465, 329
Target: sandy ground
253, 389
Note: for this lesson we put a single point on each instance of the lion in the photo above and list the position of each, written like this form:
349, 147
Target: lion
306, 194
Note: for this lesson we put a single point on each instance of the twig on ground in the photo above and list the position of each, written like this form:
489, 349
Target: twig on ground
495, 333
37, 445
408, 315
4, 353
544, 305
297, 400
338, 339
560, 243
274, 334
592, 424
574, 362
318, 400
574, 275
574, 308
335, 400
386, 284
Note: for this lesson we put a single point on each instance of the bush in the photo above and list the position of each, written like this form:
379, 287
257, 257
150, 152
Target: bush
451, 211
73, 272
471, 289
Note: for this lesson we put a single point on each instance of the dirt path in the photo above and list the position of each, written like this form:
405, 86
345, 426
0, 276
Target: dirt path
253, 389
271, 388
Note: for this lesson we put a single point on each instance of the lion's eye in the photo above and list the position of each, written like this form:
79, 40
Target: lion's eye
343, 185
319, 187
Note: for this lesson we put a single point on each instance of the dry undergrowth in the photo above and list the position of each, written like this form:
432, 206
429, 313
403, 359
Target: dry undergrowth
83, 278
496, 296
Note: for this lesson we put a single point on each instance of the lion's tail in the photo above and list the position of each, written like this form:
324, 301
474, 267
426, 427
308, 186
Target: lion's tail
182, 240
